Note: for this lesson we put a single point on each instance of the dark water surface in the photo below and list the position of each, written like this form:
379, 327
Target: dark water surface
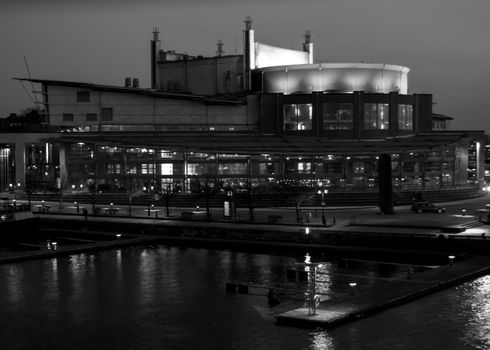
172, 298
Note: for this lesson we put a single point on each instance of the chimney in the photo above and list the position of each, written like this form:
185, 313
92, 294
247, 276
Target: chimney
154, 48
308, 46
248, 53
127, 82
136, 83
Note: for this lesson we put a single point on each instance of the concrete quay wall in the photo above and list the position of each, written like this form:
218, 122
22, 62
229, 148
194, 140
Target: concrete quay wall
230, 234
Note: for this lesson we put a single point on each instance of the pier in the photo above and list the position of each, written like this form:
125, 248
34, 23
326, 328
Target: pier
362, 303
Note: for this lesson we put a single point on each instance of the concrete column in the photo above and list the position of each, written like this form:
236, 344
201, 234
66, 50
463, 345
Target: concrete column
20, 163
63, 168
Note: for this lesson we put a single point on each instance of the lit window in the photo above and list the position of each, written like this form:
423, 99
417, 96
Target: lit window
405, 117
167, 169
113, 168
298, 116
376, 116
337, 116
148, 168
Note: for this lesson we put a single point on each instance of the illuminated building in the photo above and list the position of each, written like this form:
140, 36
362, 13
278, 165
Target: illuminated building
269, 119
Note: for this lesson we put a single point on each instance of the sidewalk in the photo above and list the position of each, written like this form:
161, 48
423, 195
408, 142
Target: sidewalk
359, 219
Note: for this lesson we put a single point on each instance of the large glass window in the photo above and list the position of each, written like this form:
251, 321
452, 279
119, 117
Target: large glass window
266, 168
113, 168
405, 117
298, 116
376, 116
337, 116
232, 168
166, 169
148, 168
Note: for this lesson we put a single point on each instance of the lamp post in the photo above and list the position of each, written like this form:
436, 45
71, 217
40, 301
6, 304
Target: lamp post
312, 299
323, 192
352, 286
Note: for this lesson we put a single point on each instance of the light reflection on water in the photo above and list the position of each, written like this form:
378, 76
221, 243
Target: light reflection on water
174, 298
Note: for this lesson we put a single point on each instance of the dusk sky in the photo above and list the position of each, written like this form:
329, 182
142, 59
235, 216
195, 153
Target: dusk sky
445, 43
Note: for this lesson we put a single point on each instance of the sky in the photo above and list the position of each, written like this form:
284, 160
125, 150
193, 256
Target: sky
445, 43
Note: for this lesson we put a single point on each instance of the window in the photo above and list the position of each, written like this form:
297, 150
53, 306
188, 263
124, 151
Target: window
113, 168
91, 117
304, 167
106, 114
405, 117
266, 168
376, 116
358, 167
337, 116
67, 117
166, 169
83, 96
298, 116
148, 168
232, 168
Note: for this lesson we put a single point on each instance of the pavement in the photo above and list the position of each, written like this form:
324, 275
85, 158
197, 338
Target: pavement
345, 218
330, 312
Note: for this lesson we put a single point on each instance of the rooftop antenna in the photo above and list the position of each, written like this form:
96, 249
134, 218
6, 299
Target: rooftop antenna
248, 22
307, 37
220, 51
156, 33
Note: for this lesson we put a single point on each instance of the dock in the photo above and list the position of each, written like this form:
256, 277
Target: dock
368, 301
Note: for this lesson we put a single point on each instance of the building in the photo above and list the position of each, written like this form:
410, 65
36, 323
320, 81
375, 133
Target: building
267, 120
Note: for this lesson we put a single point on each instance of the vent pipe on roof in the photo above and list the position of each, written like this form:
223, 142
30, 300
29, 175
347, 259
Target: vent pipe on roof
127, 82
220, 51
136, 83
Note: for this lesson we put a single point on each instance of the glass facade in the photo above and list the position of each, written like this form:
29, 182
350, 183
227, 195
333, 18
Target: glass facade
405, 117
337, 116
298, 116
376, 116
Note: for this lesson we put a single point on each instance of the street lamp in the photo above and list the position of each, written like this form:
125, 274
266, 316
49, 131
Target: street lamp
323, 192
312, 299
352, 286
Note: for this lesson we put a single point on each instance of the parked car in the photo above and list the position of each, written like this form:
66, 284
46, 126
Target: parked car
426, 206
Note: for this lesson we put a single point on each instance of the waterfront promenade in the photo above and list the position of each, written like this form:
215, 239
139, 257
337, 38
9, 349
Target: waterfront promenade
153, 223
153, 227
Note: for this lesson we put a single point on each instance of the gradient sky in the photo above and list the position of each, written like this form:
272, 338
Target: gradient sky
445, 43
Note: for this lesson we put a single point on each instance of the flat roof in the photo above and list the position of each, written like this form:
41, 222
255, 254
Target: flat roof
138, 91
272, 144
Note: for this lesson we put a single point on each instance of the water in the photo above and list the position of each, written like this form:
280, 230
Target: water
172, 298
